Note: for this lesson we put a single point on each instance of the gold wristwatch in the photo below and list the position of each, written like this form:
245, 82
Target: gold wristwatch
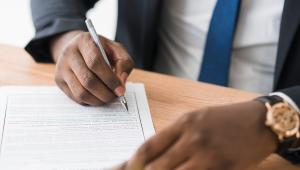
284, 120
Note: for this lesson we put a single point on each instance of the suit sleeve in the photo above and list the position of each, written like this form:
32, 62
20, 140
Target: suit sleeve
53, 17
294, 94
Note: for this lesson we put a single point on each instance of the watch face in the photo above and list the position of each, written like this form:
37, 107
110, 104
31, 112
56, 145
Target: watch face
283, 119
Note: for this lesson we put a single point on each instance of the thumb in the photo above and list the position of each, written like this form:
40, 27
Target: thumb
123, 69
123, 78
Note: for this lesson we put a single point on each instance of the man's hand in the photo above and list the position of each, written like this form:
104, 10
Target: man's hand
81, 71
231, 137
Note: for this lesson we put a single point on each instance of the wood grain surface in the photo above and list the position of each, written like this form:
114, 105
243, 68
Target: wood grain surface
168, 97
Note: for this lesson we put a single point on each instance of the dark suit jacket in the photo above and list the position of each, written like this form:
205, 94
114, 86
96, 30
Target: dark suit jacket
137, 31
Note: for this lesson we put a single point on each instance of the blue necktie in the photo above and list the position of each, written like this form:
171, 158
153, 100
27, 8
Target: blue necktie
217, 52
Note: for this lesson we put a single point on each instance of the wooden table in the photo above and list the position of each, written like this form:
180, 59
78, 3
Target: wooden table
168, 97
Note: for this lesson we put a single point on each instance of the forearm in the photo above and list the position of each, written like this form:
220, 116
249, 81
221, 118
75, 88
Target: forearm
48, 12
52, 18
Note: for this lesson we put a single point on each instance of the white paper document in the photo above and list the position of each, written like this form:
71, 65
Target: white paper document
42, 129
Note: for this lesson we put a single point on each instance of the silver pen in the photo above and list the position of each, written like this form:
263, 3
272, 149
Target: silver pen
97, 41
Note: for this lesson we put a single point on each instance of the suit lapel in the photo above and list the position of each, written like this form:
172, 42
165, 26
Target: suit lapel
289, 27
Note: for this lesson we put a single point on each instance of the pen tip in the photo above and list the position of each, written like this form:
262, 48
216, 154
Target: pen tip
124, 103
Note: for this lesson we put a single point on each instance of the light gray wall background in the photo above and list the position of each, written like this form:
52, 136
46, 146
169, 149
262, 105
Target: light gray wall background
17, 29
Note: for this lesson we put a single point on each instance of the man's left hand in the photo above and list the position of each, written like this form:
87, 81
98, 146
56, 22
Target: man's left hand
232, 137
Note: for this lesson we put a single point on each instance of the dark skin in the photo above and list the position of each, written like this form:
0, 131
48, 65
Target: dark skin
81, 71
230, 137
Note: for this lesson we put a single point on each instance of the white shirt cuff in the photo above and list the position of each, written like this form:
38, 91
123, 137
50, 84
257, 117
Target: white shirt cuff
287, 99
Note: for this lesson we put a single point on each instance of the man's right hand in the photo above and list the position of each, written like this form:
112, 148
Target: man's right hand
81, 71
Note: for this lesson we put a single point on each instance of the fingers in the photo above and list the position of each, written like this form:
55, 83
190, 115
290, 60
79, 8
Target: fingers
95, 62
65, 88
172, 158
201, 160
81, 64
189, 165
79, 93
123, 78
154, 147
121, 73
90, 81
123, 64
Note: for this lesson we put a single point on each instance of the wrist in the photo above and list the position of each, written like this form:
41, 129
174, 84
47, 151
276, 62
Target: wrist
271, 137
59, 42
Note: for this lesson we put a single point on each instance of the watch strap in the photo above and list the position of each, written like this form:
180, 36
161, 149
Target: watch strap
269, 99
290, 145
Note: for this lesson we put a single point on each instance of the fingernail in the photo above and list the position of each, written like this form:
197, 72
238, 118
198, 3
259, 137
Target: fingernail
119, 91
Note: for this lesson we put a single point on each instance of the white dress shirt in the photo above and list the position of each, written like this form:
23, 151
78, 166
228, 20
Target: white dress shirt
183, 30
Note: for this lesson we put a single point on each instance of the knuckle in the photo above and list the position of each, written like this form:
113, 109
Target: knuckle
113, 82
69, 50
195, 140
61, 74
79, 36
88, 40
81, 96
73, 44
187, 119
88, 37
194, 117
58, 79
93, 61
82, 36
88, 80
203, 138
